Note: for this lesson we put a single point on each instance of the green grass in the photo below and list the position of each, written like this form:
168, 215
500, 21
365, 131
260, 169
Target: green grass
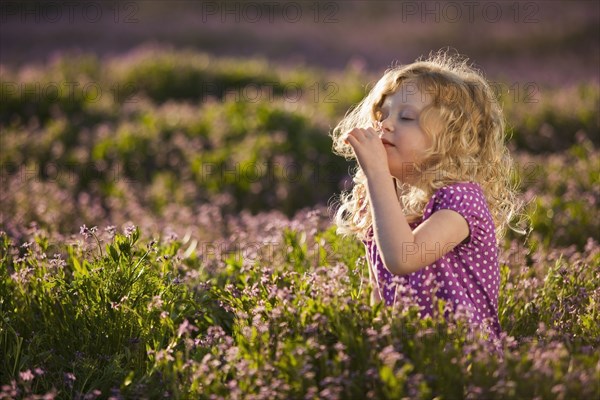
141, 319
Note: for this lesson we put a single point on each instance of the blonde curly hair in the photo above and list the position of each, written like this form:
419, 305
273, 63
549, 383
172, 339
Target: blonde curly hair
470, 148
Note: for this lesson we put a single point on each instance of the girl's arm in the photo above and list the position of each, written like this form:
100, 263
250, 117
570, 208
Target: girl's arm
402, 250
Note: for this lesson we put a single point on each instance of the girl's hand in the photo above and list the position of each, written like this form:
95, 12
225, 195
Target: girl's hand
369, 150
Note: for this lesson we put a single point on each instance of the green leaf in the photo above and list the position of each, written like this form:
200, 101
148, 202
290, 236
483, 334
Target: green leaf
113, 252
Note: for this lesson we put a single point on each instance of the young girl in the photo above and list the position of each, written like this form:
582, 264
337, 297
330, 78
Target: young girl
433, 190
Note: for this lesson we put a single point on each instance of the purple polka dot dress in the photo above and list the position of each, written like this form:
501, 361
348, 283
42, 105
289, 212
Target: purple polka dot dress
467, 277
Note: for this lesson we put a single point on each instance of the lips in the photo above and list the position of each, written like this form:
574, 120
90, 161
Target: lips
386, 142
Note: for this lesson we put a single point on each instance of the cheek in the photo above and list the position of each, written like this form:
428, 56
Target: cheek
419, 142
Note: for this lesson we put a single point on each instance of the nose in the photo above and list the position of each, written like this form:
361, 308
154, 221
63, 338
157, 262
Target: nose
386, 125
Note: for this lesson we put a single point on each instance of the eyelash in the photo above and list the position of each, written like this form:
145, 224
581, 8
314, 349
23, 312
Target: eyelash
384, 115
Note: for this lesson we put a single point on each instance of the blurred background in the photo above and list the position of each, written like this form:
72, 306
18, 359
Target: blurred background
545, 41
180, 114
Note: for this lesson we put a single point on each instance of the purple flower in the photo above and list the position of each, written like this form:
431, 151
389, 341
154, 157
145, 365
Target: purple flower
26, 376
111, 230
389, 356
69, 379
94, 394
57, 261
156, 302
186, 328
85, 231
129, 230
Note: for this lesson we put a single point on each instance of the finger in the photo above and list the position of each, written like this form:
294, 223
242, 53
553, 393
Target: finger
351, 140
352, 133
360, 134
373, 132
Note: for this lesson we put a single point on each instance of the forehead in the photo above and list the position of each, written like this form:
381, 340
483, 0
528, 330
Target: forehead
408, 94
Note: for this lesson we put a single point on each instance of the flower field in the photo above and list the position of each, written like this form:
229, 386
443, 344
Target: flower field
165, 233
